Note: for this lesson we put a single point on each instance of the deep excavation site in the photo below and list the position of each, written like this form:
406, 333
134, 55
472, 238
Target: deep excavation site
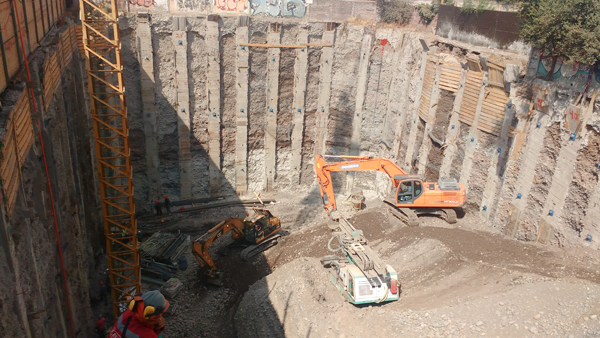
465, 179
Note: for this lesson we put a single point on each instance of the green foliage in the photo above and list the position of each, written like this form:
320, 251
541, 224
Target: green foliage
428, 12
566, 27
474, 6
395, 11
468, 7
484, 5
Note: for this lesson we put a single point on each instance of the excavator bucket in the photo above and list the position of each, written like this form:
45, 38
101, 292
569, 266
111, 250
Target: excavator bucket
217, 280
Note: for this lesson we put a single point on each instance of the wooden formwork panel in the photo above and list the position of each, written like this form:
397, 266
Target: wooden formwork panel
40, 24
2, 75
26, 10
51, 77
22, 126
35, 17
17, 139
66, 45
9, 171
428, 81
492, 110
79, 37
450, 77
468, 106
73, 37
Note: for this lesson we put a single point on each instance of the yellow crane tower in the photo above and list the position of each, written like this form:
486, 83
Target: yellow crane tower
102, 42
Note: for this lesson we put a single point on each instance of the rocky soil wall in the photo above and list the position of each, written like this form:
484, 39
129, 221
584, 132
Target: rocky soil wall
33, 299
392, 91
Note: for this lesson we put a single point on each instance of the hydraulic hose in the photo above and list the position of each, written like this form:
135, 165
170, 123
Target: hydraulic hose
329, 244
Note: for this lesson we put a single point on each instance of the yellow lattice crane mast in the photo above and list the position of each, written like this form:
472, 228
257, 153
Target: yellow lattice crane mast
102, 43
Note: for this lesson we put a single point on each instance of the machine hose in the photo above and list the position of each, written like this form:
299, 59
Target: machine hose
387, 291
329, 244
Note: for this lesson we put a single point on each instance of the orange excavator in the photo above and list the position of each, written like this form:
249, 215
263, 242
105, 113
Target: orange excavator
256, 233
412, 196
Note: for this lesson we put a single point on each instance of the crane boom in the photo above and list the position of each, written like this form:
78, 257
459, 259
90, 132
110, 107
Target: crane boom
102, 43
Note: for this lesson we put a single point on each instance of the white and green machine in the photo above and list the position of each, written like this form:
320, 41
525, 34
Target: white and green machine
356, 270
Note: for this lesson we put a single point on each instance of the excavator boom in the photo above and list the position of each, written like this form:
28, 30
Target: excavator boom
255, 233
412, 197
358, 163
201, 245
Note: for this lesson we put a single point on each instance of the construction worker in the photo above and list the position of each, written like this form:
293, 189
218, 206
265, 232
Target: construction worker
100, 329
158, 208
103, 293
168, 204
143, 317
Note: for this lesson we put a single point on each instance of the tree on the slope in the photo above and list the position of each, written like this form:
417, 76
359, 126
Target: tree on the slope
563, 27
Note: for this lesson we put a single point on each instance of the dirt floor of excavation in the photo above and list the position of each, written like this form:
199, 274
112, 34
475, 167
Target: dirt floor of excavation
204, 310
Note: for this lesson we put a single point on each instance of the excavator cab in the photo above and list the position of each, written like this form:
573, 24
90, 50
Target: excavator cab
260, 225
409, 188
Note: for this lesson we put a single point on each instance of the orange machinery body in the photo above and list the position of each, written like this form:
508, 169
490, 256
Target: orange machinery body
254, 230
411, 190
233, 225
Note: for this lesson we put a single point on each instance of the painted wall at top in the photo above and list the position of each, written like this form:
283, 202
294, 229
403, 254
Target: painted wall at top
275, 8
565, 72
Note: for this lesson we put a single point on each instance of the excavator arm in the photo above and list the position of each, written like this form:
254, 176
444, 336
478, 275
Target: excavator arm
201, 244
357, 163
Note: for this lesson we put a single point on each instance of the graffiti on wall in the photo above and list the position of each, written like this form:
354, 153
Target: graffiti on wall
564, 68
276, 8
193, 6
284, 8
231, 6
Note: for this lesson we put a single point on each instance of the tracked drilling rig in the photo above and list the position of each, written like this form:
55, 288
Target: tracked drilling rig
356, 270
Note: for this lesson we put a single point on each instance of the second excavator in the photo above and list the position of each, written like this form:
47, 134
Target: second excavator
256, 233
411, 196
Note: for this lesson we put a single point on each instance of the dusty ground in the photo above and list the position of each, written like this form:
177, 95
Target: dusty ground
461, 280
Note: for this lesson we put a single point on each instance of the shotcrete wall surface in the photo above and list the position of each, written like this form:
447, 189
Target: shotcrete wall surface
541, 183
386, 119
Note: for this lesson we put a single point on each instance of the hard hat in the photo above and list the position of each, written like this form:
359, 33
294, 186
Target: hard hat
157, 201
154, 304
101, 283
166, 196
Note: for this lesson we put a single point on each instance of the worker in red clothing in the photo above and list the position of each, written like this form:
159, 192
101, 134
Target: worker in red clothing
158, 208
143, 318
168, 204
100, 329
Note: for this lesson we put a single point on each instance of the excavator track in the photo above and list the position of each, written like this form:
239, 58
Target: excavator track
449, 215
255, 249
406, 215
